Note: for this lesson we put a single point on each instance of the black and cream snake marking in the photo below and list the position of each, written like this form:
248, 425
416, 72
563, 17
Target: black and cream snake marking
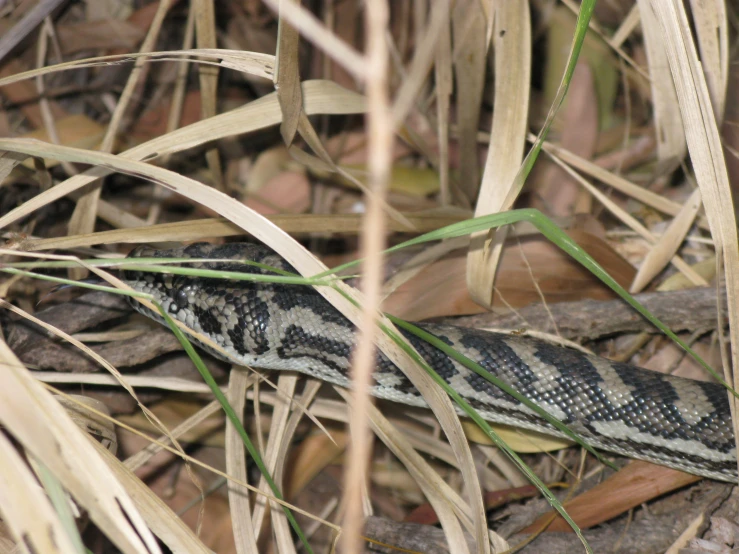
617, 407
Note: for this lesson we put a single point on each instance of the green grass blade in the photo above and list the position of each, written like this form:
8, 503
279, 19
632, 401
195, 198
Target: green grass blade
234, 419
60, 502
289, 279
81, 284
558, 237
581, 29
159, 265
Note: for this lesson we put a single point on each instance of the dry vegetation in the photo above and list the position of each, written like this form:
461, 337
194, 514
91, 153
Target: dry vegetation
330, 135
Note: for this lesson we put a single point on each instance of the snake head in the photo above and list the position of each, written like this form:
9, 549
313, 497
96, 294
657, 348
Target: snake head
225, 257
186, 297
236, 314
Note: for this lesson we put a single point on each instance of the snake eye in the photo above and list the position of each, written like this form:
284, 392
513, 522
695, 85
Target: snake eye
181, 299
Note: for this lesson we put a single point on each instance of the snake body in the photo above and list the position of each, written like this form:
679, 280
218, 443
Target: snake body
620, 408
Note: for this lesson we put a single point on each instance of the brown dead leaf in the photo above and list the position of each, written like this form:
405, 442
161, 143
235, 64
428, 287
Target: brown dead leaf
177, 491
73, 130
312, 456
153, 121
673, 359
440, 288
557, 192
25, 94
425, 514
635, 484
287, 192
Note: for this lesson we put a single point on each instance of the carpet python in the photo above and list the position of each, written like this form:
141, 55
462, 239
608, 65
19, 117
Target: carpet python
620, 408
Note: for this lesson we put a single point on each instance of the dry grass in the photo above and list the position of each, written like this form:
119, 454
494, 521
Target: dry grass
188, 99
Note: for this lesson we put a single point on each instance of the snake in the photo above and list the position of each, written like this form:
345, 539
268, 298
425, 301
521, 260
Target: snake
616, 407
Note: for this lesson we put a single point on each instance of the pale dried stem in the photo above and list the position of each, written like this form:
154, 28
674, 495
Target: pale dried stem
380, 135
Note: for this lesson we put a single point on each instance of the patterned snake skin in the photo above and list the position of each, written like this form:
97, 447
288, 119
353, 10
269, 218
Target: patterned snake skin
619, 408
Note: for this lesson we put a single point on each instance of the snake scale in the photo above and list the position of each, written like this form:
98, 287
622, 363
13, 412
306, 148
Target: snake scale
620, 408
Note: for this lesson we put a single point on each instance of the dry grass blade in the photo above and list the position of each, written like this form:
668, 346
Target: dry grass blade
647, 197
627, 26
178, 96
690, 532
704, 144
313, 30
22, 28
422, 62
161, 519
444, 86
199, 229
287, 80
712, 35
143, 456
174, 384
9, 160
47, 36
507, 140
469, 59
505, 466
439, 448
194, 461
450, 508
53, 438
254, 63
276, 436
205, 31
667, 245
632, 223
379, 160
296, 255
671, 145
320, 97
282, 528
83, 218
239, 505
25, 508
